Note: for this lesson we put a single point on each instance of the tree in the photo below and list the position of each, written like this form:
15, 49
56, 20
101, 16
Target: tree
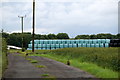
62, 36
93, 36
82, 37
52, 36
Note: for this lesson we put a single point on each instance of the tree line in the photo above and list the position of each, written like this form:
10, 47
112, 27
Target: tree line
16, 38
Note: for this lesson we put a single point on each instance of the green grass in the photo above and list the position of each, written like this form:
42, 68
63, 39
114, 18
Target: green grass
3, 57
45, 75
34, 61
89, 67
40, 66
101, 62
29, 59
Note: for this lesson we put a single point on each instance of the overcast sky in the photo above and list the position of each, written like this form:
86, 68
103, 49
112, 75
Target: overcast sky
74, 17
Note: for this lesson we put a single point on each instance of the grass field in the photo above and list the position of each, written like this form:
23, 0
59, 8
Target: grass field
101, 62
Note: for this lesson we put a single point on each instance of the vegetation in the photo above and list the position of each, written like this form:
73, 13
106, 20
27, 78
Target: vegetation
34, 61
45, 75
98, 61
98, 36
40, 66
62, 36
3, 57
16, 38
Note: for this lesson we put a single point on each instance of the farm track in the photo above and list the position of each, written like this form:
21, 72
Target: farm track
19, 67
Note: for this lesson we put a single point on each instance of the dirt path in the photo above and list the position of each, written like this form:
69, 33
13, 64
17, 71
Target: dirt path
19, 67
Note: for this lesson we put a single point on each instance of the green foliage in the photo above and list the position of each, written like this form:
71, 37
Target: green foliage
45, 75
82, 37
62, 36
52, 36
86, 66
3, 56
29, 59
98, 36
40, 66
34, 61
104, 57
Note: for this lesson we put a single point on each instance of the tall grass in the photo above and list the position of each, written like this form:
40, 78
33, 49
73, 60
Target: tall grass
101, 62
104, 57
3, 57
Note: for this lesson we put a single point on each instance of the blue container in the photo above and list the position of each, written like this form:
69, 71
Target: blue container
52, 48
90, 41
99, 41
50, 42
73, 42
68, 42
101, 45
36, 41
79, 45
54, 41
48, 48
57, 45
107, 41
63, 41
30, 42
97, 45
106, 44
70, 45
77, 41
81, 41
74, 45
44, 45
95, 41
43, 48
52, 45
59, 41
84, 45
39, 45
88, 45
61, 46
57, 48
29, 45
29, 48
65, 45
103, 40
39, 48
45, 41
41, 41
48, 45
86, 41
92, 45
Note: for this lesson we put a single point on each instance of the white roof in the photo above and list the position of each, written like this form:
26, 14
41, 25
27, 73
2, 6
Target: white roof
14, 47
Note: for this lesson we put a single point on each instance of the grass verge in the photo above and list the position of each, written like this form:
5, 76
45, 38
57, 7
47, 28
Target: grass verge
88, 67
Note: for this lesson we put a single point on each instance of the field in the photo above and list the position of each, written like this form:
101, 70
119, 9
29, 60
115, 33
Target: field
97, 61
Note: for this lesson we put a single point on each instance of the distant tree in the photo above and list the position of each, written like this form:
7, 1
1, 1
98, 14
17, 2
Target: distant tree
52, 36
14, 40
82, 37
62, 36
5, 35
93, 36
118, 36
104, 36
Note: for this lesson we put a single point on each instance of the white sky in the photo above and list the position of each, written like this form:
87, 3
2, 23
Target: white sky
74, 17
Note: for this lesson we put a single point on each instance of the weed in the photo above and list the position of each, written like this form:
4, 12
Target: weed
40, 66
34, 61
45, 75
29, 59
